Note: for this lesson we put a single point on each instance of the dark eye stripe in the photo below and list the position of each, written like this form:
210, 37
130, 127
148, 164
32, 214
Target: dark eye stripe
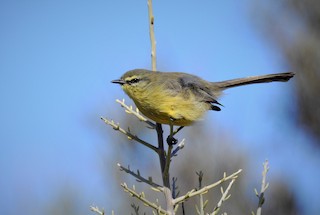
132, 81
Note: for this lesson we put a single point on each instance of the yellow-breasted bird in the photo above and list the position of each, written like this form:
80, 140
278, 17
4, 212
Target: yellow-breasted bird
177, 98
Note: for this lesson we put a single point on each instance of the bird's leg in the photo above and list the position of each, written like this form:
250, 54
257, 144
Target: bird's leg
171, 140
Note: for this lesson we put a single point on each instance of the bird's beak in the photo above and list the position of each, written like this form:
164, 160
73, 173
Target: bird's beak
119, 81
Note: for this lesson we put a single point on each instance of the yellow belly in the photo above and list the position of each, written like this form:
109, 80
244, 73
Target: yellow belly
173, 110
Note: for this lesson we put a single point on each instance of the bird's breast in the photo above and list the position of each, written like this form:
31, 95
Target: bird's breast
165, 107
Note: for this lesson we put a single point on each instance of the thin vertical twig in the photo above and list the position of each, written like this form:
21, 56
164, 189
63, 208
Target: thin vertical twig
161, 152
152, 37
166, 174
264, 187
201, 201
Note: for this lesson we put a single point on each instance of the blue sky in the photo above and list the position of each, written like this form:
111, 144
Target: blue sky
57, 59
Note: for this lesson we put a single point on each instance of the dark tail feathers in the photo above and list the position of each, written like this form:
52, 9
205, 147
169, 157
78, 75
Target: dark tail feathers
283, 77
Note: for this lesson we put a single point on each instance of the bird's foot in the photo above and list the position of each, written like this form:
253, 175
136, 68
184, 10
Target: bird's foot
171, 140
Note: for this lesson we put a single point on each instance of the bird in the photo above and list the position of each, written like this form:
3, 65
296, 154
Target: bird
180, 99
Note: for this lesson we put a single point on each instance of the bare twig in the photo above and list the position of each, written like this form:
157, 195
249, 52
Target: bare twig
223, 198
168, 161
264, 187
142, 198
161, 151
152, 37
206, 188
176, 131
97, 210
178, 148
136, 113
129, 134
175, 191
202, 203
164, 160
136, 209
140, 178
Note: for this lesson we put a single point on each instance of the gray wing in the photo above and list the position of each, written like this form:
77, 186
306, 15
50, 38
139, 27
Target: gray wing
195, 85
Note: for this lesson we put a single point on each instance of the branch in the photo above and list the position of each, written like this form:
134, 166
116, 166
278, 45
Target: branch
176, 131
264, 187
206, 188
223, 198
169, 200
164, 160
142, 198
167, 164
178, 148
136, 113
128, 134
202, 203
136, 209
97, 210
139, 178
152, 37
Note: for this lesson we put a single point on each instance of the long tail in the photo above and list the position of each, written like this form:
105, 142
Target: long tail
283, 77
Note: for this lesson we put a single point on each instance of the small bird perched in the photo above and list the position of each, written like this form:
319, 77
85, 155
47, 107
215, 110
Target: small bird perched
176, 98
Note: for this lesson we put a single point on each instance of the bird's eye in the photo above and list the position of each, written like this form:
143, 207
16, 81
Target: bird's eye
132, 81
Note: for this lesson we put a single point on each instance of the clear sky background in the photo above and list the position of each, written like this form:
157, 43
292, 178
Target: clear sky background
57, 59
